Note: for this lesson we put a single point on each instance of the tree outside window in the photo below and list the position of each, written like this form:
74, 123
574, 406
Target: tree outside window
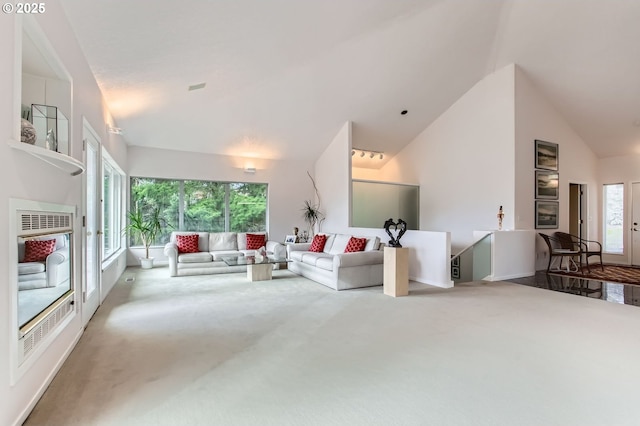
205, 206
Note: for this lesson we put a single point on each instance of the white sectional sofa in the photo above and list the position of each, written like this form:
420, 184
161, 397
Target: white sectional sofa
335, 268
212, 246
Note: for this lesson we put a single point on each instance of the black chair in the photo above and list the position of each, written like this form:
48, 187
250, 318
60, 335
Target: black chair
557, 251
587, 248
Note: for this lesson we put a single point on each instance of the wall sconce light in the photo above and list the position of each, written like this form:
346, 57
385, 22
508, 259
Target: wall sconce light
114, 130
250, 170
381, 156
362, 154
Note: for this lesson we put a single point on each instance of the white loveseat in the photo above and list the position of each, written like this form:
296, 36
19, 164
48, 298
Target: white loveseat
212, 246
335, 268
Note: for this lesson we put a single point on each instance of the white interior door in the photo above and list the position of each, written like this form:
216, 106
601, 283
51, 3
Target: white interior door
91, 278
635, 223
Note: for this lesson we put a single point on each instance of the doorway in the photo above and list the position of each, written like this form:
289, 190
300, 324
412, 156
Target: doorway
91, 241
577, 209
635, 223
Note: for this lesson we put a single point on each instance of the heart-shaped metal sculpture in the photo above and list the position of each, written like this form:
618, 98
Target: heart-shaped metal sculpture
400, 228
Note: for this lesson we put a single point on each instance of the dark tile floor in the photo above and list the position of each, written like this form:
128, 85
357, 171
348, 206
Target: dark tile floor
611, 292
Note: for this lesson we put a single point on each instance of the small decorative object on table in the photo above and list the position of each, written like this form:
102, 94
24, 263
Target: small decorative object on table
28, 132
400, 228
289, 239
500, 216
52, 142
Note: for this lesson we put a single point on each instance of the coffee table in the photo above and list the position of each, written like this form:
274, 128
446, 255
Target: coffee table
258, 269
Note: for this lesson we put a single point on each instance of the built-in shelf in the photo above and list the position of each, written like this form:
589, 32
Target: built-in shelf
61, 161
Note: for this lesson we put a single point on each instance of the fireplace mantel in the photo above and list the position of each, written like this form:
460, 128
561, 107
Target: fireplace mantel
61, 161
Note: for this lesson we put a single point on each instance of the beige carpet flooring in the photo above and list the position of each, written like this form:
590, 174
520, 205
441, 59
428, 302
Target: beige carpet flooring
218, 350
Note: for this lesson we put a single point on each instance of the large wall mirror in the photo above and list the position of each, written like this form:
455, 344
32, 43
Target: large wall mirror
44, 275
375, 202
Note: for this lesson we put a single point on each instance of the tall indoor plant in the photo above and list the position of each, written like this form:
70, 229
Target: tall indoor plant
312, 215
146, 228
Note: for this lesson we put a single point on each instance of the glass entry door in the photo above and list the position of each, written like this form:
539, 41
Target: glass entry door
91, 278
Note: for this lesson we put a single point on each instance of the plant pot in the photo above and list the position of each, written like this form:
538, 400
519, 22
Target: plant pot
146, 263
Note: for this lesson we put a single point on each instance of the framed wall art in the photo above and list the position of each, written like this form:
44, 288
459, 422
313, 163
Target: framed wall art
546, 155
547, 213
547, 184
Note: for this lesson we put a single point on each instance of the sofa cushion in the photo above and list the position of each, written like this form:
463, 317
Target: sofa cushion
194, 257
339, 243
372, 243
223, 241
317, 245
312, 258
325, 263
255, 241
187, 243
30, 268
38, 250
355, 244
330, 239
296, 255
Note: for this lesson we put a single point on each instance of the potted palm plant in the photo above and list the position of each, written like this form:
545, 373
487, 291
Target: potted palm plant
144, 228
312, 215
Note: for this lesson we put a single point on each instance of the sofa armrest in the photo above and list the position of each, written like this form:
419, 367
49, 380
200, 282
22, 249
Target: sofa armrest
278, 249
57, 267
360, 258
297, 247
171, 251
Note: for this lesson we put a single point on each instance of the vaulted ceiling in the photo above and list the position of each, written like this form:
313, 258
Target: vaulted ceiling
282, 76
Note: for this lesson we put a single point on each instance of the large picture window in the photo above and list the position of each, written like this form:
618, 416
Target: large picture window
613, 240
196, 205
112, 197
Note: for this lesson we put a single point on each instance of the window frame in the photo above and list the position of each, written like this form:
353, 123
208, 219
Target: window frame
227, 213
112, 197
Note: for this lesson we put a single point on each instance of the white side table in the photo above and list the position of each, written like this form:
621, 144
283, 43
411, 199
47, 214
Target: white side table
396, 271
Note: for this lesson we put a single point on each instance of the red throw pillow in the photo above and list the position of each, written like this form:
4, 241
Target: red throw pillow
317, 245
187, 243
355, 244
38, 250
255, 241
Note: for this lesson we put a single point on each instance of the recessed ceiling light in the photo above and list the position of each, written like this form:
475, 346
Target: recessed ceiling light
197, 86
404, 112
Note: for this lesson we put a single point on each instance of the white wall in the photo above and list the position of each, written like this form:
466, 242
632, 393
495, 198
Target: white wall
30, 178
536, 118
333, 179
288, 182
624, 170
464, 162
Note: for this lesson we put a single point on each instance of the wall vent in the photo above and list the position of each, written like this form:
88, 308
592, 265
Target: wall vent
37, 335
32, 223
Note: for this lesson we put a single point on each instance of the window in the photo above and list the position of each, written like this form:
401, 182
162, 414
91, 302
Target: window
196, 205
613, 218
113, 179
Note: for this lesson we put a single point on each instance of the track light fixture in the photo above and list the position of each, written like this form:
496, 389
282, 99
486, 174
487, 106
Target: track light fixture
371, 154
